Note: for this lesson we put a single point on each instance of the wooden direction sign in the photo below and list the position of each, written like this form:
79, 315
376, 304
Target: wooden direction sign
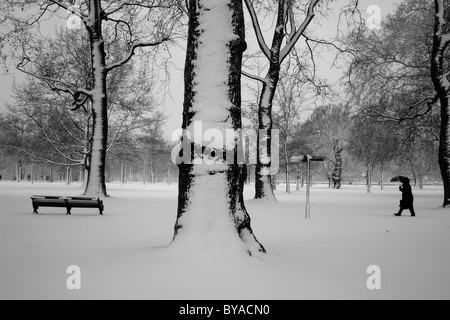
307, 159
298, 159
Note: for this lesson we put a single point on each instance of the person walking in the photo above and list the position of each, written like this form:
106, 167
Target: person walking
407, 201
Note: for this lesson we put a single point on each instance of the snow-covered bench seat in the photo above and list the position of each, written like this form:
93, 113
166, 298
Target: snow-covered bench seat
66, 202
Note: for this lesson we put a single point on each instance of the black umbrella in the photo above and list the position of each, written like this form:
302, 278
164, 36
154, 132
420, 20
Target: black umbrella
400, 178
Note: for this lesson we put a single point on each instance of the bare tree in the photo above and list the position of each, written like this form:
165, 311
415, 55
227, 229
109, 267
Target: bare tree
409, 57
289, 102
286, 35
420, 158
69, 134
327, 131
130, 22
372, 143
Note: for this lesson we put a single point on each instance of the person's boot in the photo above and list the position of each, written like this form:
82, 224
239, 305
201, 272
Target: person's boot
397, 214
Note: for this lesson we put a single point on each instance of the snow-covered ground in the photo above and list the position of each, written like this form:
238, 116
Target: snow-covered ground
124, 253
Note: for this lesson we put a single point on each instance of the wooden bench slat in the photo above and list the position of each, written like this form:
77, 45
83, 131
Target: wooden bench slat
66, 202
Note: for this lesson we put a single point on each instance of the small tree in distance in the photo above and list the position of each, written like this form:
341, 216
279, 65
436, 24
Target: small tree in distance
372, 143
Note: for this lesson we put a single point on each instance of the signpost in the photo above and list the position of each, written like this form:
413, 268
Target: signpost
307, 159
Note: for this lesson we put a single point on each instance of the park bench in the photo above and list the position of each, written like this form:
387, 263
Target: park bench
66, 202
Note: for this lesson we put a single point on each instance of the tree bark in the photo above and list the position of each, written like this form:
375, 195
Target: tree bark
276, 54
441, 84
263, 172
211, 210
96, 185
67, 175
17, 173
288, 179
337, 171
444, 149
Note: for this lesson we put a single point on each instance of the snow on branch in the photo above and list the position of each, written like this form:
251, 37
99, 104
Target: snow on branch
293, 39
70, 8
441, 24
445, 40
257, 27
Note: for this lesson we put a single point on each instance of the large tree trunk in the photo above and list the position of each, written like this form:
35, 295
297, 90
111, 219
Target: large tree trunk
96, 185
444, 149
441, 84
211, 211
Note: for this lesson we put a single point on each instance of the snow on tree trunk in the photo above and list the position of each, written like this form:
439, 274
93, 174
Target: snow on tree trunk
444, 148
96, 185
276, 54
263, 183
211, 210
441, 42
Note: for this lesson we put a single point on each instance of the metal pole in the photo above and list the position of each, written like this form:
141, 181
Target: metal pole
308, 187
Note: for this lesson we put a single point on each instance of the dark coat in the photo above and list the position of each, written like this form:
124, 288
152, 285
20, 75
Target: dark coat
407, 196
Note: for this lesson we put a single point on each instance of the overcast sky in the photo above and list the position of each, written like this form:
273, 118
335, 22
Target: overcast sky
173, 105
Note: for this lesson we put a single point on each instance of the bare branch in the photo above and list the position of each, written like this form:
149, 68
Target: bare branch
430, 102
293, 39
257, 27
327, 43
251, 76
45, 160
131, 52
69, 87
141, 4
